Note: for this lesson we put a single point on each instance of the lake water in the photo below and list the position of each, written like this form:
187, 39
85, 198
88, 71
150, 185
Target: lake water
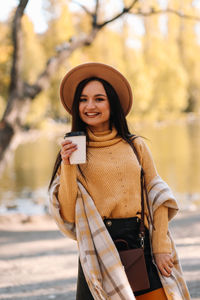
175, 148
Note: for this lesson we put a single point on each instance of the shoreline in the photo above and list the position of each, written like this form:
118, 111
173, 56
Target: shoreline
188, 202
38, 263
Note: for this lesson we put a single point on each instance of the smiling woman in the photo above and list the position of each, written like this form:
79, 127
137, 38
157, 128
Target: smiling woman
102, 201
94, 107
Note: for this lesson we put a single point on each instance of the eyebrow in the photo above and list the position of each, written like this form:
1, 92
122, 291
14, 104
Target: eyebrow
97, 95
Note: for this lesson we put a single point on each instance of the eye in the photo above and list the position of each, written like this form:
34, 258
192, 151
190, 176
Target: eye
82, 100
99, 99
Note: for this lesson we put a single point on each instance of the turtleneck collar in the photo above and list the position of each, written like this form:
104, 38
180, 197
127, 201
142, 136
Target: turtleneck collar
103, 138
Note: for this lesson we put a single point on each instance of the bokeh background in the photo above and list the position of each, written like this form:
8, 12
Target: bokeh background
155, 44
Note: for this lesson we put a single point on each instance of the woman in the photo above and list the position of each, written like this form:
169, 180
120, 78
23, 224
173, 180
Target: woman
99, 97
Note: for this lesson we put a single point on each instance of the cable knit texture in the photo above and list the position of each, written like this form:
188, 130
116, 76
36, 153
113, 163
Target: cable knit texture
112, 178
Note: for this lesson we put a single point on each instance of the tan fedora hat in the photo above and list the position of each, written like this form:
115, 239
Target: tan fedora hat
100, 70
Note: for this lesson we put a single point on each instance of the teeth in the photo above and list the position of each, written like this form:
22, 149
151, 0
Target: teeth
91, 114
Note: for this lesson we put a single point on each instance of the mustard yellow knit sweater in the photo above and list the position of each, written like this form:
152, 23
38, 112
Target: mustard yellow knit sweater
112, 178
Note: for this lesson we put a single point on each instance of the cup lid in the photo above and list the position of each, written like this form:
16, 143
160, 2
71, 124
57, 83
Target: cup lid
74, 133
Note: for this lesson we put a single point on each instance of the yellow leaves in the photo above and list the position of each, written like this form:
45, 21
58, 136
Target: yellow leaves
38, 110
164, 71
6, 51
33, 56
5, 60
170, 94
2, 106
60, 27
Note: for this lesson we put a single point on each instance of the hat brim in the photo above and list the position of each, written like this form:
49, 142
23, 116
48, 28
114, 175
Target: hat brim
100, 70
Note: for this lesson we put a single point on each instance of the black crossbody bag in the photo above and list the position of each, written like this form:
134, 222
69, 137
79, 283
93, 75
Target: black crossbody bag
133, 260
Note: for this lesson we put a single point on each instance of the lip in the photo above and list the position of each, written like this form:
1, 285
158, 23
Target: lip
91, 114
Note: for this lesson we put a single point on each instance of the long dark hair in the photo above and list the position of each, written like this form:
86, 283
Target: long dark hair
117, 116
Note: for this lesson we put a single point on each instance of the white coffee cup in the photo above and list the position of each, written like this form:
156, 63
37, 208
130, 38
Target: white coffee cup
78, 138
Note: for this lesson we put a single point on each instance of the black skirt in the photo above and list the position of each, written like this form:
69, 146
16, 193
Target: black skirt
127, 229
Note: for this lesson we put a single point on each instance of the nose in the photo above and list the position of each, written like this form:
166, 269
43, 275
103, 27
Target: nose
90, 104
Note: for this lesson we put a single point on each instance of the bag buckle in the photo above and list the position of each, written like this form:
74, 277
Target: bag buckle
141, 235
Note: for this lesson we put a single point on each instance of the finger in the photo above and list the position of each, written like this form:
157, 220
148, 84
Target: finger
68, 153
66, 142
164, 272
168, 269
172, 260
69, 147
170, 264
168, 261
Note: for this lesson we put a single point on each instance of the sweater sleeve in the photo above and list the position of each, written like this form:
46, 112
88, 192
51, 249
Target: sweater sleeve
160, 240
67, 192
146, 160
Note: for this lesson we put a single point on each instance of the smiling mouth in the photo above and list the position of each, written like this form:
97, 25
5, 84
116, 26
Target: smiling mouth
91, 115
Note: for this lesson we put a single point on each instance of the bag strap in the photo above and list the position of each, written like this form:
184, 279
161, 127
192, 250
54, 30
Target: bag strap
143, 189
142, 227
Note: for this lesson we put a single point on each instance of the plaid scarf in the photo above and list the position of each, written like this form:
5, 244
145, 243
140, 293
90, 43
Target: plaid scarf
159, 194
100, 261
99, 257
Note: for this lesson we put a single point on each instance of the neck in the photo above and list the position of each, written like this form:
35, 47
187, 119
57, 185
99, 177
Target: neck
103, 138
99, 128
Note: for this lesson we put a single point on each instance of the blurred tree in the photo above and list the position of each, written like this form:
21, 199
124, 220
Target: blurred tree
5, 58
168, 79
189, 50
34, 56
21, 93
34, 59
64, 43
60, 25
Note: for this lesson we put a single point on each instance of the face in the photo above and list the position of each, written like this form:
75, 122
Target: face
94, 107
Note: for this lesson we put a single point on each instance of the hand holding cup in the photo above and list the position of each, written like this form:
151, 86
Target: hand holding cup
67, 148
74, 141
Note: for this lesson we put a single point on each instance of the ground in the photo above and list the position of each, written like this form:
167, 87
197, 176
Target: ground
37, 262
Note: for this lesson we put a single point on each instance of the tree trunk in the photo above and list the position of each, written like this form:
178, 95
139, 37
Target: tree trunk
21, 93
21, 96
